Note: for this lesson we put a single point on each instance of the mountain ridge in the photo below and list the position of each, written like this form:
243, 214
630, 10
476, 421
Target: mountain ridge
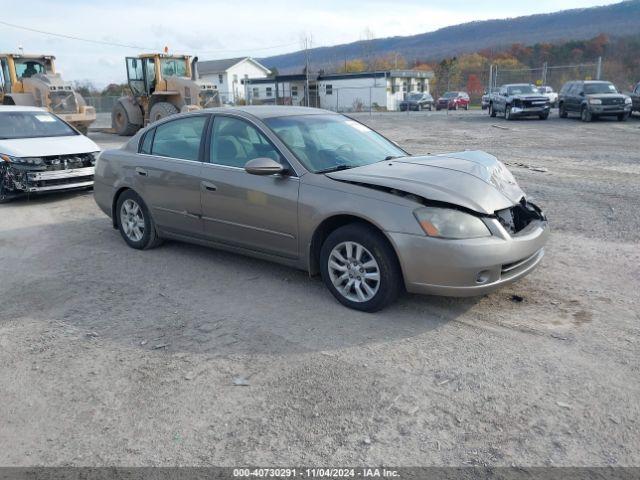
576, 24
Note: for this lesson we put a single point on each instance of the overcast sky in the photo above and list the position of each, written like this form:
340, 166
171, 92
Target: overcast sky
213, 29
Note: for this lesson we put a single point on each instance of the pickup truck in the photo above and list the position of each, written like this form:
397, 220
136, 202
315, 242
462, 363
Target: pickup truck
519, 100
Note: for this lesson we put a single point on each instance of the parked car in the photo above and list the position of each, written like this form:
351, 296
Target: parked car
486, 98
417, 101
41, 153
453, 101
550, 94
519, 100
635, 99
319, 191
593, 99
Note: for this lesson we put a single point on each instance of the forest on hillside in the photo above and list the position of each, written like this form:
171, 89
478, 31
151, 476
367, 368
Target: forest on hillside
550, 63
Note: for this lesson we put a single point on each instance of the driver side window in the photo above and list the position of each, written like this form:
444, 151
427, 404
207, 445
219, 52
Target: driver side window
234, 142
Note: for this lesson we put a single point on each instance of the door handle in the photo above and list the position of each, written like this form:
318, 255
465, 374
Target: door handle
141, 171
209, 186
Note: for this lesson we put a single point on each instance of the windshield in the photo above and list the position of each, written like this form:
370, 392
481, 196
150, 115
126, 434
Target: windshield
414, 96
519, 89
450, 95
29, 68
32, 125
173, 67
604, 87
332, 142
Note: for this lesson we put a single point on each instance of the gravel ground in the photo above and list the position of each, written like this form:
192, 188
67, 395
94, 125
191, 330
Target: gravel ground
189, 356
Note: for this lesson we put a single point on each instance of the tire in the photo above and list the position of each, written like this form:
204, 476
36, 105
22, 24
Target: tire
623, 117
455, 106
492, 111
161, 110
140, 216
121, 123
373, 247
419, 107
507, 112
562, 111
430, 107
544, 116
466, 107
437, 109
585, 114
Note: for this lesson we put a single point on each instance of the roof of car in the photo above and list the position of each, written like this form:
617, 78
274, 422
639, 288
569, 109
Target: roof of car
20, 108
269, 111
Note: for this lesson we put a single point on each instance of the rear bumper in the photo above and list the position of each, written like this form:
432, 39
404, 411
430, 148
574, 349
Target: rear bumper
60, 179
462, 268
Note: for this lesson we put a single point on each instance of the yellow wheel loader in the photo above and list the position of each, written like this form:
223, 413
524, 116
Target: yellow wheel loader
32, 80
161, 85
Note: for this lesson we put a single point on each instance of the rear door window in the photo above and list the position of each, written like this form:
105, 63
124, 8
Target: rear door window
179, 138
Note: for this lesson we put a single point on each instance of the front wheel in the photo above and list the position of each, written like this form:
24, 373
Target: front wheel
585, 114
492, 110
161, 110
544, 116
507, 112
623, 117
466, 107
360, 268
562, 111
135, 222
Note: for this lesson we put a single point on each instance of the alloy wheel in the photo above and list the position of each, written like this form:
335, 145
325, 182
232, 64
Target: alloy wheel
354, 271
132, 220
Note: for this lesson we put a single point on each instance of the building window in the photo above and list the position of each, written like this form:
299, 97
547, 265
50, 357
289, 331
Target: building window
294, 90
329, 89
404, 86
220, 78
269, 91
256, 92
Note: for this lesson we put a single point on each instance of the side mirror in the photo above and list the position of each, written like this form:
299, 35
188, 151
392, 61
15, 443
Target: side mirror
581, 94
263, 166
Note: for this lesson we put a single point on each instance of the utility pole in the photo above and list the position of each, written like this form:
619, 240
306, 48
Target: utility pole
599, 70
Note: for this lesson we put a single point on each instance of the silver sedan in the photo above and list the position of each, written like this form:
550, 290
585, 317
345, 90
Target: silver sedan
322, 192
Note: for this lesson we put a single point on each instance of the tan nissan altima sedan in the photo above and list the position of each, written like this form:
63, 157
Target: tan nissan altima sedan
319, 191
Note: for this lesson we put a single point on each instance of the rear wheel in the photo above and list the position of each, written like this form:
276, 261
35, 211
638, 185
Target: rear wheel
585, 114
135, 222
161, 110
360, 268
121, 123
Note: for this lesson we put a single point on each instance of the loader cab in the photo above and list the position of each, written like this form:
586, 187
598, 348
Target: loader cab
146, 73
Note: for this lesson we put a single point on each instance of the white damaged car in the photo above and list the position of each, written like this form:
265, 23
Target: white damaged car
41, 153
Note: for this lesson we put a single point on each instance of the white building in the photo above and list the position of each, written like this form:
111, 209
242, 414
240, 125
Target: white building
228, 76
342, 92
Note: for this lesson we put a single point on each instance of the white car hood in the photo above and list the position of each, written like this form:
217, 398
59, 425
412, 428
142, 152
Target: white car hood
48, 146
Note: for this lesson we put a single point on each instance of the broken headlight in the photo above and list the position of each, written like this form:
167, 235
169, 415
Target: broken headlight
450, 223
36, 161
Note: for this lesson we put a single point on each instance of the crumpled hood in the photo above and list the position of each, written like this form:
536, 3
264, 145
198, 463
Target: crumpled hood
48, 146
471, 179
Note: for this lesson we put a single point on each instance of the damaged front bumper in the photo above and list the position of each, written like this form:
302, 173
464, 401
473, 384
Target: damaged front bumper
477, 266
59, 180
50, 174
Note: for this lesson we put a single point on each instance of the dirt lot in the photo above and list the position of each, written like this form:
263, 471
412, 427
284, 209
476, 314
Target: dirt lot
114, 356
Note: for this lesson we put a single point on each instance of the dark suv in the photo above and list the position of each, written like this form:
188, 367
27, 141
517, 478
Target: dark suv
592, 99
635, 98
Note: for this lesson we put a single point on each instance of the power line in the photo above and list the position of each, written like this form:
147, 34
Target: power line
137, 47
71, 37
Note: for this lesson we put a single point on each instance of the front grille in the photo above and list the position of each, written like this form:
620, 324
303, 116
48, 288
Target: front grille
612, 101
517, 218
63, 102
66, 162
